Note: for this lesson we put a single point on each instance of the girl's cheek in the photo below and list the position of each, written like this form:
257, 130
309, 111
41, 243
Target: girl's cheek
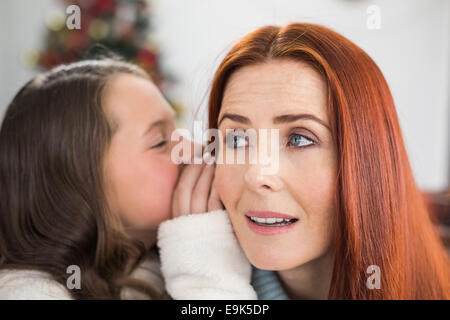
163, 180
151, 198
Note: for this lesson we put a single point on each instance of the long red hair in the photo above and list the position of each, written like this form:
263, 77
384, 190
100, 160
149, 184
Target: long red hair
382, 218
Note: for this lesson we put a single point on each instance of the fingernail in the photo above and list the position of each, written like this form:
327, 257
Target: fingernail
209, 158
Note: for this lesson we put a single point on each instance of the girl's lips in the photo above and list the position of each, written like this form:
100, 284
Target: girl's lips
269, 230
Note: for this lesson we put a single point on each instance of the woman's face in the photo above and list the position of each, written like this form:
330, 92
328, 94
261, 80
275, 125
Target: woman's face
140, 175
292, 97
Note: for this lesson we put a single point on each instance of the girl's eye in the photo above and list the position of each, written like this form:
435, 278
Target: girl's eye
159, 145
297, 140
235, 141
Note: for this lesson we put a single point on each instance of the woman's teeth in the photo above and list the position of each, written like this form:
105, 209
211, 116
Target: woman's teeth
272, 221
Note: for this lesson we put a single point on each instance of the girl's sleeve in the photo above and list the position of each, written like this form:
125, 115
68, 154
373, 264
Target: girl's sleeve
201, 258
31, 285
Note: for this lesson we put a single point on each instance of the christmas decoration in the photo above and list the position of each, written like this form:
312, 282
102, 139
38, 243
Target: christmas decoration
122, 26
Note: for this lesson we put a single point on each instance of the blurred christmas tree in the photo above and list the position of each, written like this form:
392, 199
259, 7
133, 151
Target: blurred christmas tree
122, 26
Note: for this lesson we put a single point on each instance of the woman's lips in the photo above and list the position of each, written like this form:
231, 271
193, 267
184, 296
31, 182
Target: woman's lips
269, 222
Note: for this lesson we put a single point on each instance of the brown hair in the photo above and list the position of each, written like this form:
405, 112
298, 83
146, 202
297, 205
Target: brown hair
382, 218
53, 209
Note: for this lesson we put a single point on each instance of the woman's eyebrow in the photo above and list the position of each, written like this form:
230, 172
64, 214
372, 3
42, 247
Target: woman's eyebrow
286, 118
234, 117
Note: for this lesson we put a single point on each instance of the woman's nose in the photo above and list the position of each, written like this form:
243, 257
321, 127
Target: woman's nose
258, 180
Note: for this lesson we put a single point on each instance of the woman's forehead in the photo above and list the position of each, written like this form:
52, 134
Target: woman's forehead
278, 86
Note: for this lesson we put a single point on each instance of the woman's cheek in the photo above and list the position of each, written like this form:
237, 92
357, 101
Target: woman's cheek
311, 179
315, 195
227, 184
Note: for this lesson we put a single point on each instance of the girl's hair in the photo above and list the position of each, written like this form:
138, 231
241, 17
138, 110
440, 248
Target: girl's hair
382, 218
53, 208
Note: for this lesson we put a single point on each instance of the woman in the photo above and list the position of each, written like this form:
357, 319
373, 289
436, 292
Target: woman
343, 203
86, 178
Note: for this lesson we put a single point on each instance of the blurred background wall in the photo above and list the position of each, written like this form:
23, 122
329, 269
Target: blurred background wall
412, 48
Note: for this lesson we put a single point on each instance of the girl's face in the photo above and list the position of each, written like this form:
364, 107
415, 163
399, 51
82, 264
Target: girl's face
292, 97
140, 175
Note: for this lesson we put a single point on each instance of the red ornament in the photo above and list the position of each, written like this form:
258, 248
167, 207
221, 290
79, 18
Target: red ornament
146, 57
50, 59
104, 6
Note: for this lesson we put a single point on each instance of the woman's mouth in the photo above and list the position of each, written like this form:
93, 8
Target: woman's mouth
269, 223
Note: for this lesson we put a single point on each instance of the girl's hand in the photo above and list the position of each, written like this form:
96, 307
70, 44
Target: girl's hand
195, 191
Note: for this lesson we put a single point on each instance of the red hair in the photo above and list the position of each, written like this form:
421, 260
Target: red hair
382, 218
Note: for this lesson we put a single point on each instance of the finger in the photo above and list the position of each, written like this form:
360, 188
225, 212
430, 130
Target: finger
185, 186
200, 194
191, 150
175, 209
214, 202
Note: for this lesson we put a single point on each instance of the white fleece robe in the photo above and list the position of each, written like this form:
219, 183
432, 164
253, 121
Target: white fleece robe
200, 259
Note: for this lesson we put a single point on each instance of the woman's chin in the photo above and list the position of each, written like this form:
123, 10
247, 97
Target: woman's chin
272, 261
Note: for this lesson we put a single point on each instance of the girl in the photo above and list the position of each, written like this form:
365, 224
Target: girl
86, 177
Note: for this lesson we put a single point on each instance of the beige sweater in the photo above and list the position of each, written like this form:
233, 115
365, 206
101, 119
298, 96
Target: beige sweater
38, 285
200, 259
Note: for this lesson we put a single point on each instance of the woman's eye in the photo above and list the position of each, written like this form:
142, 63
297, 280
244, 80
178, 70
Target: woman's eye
297, 140
235, 141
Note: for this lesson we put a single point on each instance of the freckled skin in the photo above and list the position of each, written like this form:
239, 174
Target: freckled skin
139, 179
304, 186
